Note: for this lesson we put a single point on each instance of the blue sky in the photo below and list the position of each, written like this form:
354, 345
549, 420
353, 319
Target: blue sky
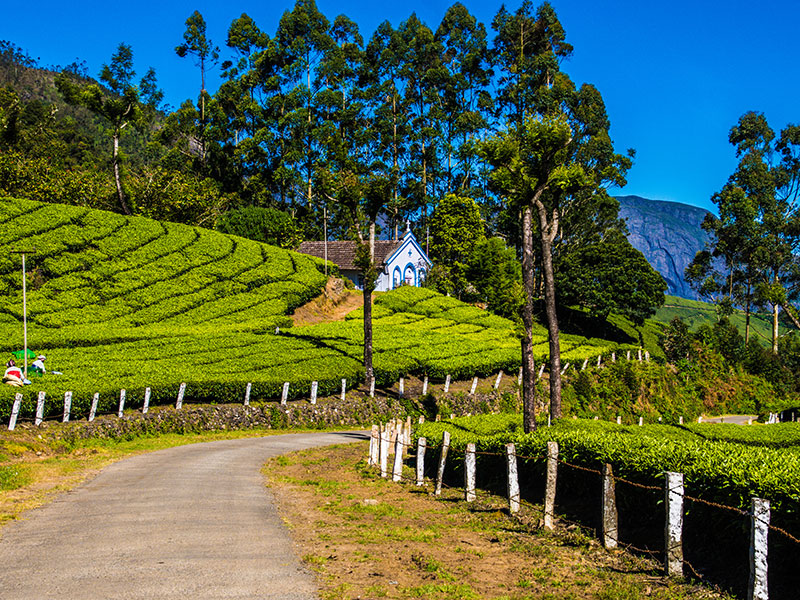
675, 75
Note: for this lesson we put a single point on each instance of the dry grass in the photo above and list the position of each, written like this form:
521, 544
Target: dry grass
367, 537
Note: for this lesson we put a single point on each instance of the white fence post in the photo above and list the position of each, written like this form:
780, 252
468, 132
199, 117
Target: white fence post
374, 440
447, 383
499, 379
401, 387
425, 385
550, 487
585, 362
314, 387
474, 386
344, 388
93, 409
67, 406
610, 517
285, 393
513, 479
39, 409
247, 391
397, 467
673, 531
541, 372
422, 444
371, 387
442, 459
12, 422
759, 528
122, 394
181, 392
146, 405
384, 452
469, 474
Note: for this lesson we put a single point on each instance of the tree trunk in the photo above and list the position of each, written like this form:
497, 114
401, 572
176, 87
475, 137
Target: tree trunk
747, 318
117, 179
775, 329
369, 373
528, 366
547, 234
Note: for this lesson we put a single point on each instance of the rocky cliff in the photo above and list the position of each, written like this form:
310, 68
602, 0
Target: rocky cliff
668, 234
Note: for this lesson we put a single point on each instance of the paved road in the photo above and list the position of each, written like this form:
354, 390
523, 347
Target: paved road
735, 419
192, 522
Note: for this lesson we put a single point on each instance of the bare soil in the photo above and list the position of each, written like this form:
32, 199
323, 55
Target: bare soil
367, 537
333, 304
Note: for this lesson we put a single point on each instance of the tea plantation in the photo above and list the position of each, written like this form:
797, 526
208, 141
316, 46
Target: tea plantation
127, 302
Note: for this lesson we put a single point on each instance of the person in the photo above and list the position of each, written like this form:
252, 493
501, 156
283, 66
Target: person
38, 364
13, 374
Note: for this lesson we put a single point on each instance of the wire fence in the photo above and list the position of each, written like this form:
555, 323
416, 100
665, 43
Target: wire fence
398, 437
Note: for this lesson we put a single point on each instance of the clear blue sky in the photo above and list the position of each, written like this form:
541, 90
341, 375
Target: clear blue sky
675, 75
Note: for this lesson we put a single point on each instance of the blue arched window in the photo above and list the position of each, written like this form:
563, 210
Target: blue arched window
396, 278
410, 275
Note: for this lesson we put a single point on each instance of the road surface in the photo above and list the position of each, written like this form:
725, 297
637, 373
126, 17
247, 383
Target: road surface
191, 522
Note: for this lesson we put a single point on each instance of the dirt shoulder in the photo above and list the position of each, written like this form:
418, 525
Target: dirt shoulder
367, 537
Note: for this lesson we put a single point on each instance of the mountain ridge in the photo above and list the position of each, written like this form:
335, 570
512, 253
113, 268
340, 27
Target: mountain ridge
669, 234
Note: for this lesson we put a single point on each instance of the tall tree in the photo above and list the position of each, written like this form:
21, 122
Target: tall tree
122, 104
197, 44
553, 165
758, 230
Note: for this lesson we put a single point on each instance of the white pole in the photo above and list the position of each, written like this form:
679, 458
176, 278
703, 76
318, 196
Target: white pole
24, 317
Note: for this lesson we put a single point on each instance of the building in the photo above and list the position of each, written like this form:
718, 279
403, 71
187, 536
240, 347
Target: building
399, 261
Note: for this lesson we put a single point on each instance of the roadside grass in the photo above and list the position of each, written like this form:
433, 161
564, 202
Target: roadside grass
366, 537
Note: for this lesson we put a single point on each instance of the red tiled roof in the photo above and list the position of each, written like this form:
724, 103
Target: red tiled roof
343, 254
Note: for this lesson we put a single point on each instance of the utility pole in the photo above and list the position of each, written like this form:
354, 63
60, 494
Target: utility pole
24, 309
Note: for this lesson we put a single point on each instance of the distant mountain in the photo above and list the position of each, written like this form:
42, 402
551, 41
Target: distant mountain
668, 234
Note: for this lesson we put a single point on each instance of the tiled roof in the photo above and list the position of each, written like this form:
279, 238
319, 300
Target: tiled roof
343, 254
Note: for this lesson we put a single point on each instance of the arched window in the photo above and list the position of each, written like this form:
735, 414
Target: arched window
410, 275
396, 278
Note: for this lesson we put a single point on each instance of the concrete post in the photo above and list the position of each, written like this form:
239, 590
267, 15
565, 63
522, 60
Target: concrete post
285, 393
610, 517
12, 422
513, 479
469, 474
122, 394
425, 385
447, 383
181, 392
247, 391
39, 409
67, 406
146, 405
314, 388
422, 444
550, 486
442, 460
673, 531
401, 387
759, 529
499, 379
474, 385
371, 387
344, 389
397, 467
374, 440
384, 453
93, 409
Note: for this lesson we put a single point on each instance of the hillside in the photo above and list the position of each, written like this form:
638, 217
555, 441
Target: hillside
127, 302
669, 236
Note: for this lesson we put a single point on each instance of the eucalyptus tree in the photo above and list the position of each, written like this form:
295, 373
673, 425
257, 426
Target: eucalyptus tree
303, 39
197, 44
463, 97
552, 165
382, 88
120, 104
758, 230
422, 73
